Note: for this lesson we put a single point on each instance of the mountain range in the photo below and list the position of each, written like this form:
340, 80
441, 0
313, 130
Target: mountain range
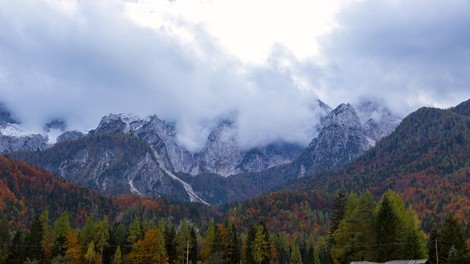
127, 154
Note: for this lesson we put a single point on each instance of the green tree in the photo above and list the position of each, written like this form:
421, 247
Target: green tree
295, 257
211, 243
233, 254
101, 236
34, 240
16, 254
193, 246
261, 245
452, 236
87, 233
90, 253
170, 243
135, 232
388, 233
61, 229
117, 257
183, 237
354, 232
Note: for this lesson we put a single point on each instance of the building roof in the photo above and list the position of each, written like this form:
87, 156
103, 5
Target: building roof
417, 261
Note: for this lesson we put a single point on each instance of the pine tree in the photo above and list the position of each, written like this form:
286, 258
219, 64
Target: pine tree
170, 243
34, 241
135, 232
295, 257
90, 253
61, 229
433, 238
387, 231
117, 257
452, 235
261, 246
101, 236
16, 254
193, 246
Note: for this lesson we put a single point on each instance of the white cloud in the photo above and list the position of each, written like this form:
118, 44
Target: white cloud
258, 62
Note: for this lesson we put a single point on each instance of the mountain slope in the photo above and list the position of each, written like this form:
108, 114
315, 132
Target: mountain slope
26, 191
114, 163
426, 160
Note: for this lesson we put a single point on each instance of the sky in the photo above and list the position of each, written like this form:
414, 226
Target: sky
260, 63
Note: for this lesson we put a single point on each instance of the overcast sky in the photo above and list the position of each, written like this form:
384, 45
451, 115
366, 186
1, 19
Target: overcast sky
262, 63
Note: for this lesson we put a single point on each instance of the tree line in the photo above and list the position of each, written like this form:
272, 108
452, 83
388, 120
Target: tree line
360, 229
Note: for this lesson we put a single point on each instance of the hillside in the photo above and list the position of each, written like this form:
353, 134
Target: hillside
26, 192
426, 160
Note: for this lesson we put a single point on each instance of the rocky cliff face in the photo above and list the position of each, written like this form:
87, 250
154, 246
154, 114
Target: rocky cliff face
13, 138
341, 140
127, 154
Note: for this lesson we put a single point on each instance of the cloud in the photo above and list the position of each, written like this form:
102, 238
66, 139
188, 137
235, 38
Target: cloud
411, 53
80, 60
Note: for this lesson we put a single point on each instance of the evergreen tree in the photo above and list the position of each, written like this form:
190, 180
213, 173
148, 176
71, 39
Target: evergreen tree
61, 229
211, 245
249, 245
135, 232
452, 236
387, 231
16, 254
260, 248
90, 253
192, 246
87, 233
101, 236
182, 241
34, 241
233, 244
4, 237
295, 257
117, 257
170, 243
354, 232
433, 238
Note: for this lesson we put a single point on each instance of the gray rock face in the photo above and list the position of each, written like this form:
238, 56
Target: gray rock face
70, 135
30, 142
221, 154
340, 141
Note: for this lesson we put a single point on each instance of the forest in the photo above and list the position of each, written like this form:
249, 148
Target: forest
359, 229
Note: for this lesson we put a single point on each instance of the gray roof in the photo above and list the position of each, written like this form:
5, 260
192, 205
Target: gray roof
418, 261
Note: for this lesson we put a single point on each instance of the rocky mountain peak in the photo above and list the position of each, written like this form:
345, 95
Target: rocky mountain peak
345, 116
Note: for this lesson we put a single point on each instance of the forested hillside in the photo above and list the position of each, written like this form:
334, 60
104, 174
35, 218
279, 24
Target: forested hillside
426, 160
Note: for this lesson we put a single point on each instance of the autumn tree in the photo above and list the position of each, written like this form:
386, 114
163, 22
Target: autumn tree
74, 250
150, 249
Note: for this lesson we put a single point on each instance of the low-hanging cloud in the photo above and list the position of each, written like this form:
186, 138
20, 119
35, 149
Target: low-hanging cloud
84, 59
410, 53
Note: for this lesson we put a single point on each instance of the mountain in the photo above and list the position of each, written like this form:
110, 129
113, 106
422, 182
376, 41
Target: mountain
128, 154
26, 192
341, 140
426, 160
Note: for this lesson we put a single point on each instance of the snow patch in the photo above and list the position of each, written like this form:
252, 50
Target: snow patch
14, 130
